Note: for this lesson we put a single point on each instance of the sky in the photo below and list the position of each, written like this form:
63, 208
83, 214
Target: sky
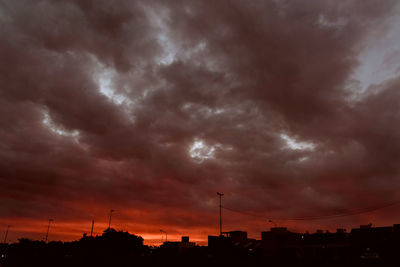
290, 108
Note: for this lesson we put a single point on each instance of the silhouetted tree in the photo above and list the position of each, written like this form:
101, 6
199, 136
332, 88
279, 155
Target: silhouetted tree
112, 247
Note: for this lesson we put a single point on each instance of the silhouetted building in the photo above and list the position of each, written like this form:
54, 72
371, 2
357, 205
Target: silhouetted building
236, 236
218, 242
375, 242
278, 247
185, 244
178, 247
326, 246
281, 243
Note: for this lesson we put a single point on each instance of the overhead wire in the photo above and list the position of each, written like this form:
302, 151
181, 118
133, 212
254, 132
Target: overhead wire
316, 217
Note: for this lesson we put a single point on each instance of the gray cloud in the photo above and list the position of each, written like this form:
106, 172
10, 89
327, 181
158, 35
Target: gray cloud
151, 107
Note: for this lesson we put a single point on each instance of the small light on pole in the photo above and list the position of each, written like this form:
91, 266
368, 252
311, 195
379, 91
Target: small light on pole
271, 221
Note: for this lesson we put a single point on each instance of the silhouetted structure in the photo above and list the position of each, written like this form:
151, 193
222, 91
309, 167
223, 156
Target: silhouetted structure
177, 247
365, 245
280, 242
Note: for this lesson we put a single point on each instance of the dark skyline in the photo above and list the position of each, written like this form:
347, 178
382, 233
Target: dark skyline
289, 108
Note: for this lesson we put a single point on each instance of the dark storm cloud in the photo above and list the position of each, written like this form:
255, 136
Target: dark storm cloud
151, 107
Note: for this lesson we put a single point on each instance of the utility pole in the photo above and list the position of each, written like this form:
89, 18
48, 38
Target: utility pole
91, 231
48, 229
109, 221
166, 235
220, 212
5, 237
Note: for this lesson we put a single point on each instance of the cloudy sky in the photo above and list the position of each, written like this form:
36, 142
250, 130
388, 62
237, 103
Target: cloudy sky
290, 108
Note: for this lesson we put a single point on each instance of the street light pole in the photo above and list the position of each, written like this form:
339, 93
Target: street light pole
220, 212
166, 235
91, 231
109, 221
48, 229
5, 237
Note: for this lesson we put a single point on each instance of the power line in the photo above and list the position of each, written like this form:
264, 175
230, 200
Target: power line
316, 217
